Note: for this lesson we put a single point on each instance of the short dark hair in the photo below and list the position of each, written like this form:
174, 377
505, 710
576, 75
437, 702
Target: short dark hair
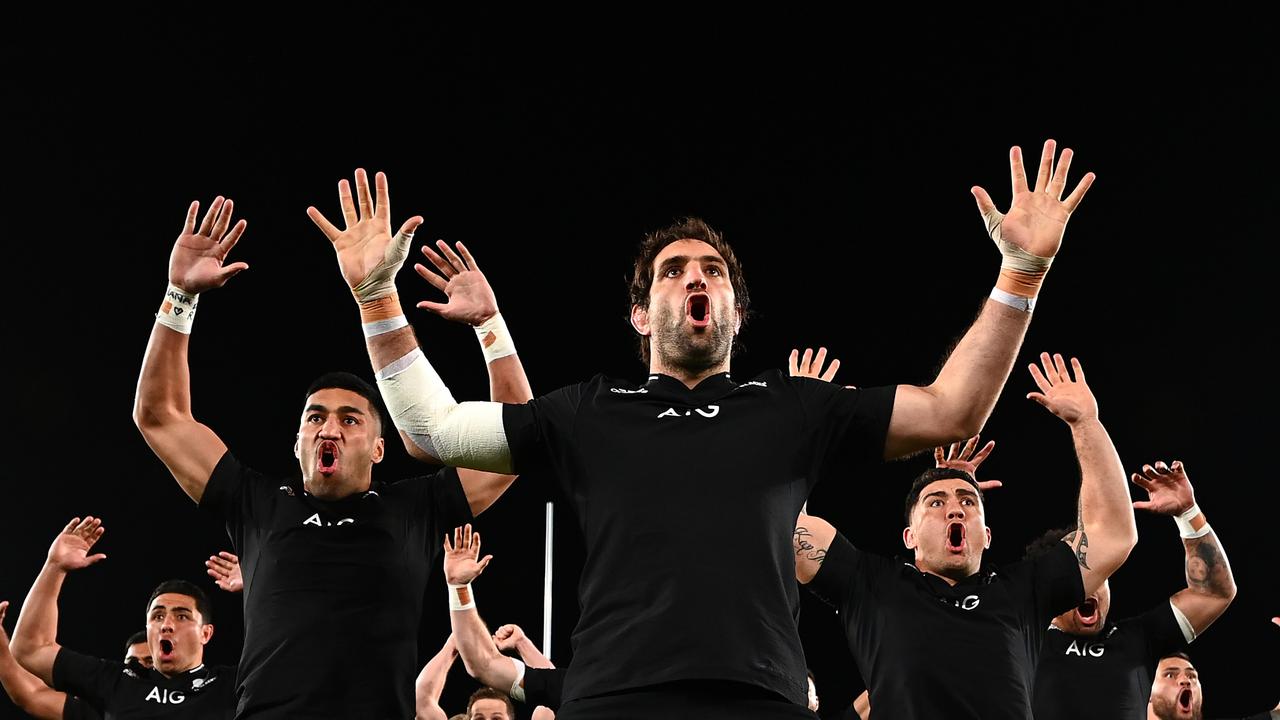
182, 587
933, 475
353, 383
488, 693
1046, 542
686, 228
1178, 654
140, 636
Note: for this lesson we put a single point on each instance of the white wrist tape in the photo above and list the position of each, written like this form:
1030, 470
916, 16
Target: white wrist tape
378, 327
466, 434
1017, 302
1185, 529
381, 281
461, 598
517, 687
178, 309
495, 339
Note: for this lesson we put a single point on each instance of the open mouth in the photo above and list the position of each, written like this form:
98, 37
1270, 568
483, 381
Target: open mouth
1184, 700
327, 457
698, 308
166, 647
955, 537
1087, 611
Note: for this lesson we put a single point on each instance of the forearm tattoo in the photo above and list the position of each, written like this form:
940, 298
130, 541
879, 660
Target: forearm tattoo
801, 540
1080, 540
1207, 570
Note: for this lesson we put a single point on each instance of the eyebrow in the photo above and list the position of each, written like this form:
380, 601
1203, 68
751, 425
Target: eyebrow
350, 410
175, 608
958, 491
682, 259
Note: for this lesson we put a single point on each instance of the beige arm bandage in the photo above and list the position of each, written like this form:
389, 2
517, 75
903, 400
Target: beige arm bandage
468, 434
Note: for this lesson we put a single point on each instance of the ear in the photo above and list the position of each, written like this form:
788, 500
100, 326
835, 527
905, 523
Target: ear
988, 545
909, 538
737, 319
206, 633
297, 446
379, 449
640, 319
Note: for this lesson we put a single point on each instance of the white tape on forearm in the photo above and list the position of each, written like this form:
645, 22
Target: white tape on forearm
378, 327
466, 434
178, 310
495, 339
461, 597
517, 687
1015, 258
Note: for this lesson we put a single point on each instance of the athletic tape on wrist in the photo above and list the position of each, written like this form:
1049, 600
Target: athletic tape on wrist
461, 597
1017, 302
178, 310
378, 327
381, 281
495, 339
1185, 529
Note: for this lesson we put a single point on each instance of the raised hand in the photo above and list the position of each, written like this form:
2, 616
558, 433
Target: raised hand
508, 637
1037, 218
368, 256
810, 365
224, 568
470, 297
196, 263
1169, 490
70, 549
461, 556
964, 458
1069, 399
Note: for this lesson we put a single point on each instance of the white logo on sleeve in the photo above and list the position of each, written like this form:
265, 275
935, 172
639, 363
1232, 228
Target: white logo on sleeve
315, 520
166, 697
710, 412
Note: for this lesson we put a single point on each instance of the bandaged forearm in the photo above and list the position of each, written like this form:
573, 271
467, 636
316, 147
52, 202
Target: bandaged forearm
468, 434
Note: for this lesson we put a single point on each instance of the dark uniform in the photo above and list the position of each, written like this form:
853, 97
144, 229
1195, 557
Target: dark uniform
132, 691
332, 590
928, 649
687, 500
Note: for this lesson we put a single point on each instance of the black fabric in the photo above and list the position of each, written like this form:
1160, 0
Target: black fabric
1108, 676
332, 590
132, 691
688, 700
687, 500
928, 649
76, 709
543, 686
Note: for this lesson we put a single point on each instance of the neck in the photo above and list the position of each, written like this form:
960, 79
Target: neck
689, 376
324, 489
955, 576
175, 673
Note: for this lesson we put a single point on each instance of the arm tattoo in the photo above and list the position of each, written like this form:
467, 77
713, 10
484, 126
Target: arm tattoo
1206, 571
801, 542
1080, 539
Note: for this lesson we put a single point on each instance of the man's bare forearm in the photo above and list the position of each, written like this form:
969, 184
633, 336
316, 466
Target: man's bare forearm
1107, 531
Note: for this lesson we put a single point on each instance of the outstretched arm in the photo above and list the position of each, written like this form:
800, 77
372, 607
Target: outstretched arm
1105, 531
24, 689
162, 405
462, 565
958, 402
369, 256
811, 541
1210, 584
511, 637
430, 683
35, 639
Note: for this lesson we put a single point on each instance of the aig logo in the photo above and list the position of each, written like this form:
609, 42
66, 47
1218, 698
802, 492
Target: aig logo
1086, 649
968, 602
166, 697
315, 520
710, 412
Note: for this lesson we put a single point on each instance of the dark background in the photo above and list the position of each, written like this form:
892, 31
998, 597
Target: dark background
835, 153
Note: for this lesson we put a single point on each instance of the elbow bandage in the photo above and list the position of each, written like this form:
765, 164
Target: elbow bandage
517, 687
466, 434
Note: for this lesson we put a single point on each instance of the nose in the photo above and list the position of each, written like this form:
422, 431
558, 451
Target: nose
955, 512
332, 427
696, 280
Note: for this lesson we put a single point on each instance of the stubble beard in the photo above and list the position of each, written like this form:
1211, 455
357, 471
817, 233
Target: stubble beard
693, 353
